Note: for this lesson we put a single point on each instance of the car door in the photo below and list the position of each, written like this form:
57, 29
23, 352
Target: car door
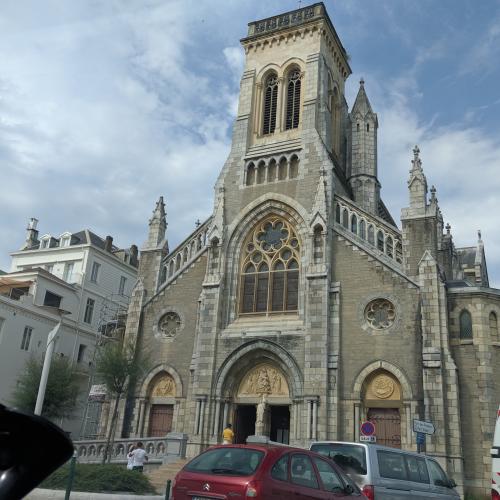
278, 486
303, 478
330, 479
418, 476
439, 480
392, 483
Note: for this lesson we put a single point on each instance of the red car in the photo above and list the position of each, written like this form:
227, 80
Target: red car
264, 472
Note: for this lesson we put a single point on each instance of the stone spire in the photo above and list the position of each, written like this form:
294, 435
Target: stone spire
363, 172
157, 226
417, 183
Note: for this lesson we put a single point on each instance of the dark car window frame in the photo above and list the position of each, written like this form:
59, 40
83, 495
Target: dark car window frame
384, 473
304, 456
286, 458
330, 464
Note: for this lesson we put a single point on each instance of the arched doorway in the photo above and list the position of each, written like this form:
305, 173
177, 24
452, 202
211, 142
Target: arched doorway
262, 404
382, 402
161, 408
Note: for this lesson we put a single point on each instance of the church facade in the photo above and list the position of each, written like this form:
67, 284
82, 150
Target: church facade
299, 309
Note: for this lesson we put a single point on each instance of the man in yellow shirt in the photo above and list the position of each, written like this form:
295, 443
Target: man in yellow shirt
227, 435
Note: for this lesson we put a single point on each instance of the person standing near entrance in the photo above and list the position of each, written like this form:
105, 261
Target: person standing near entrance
228, 435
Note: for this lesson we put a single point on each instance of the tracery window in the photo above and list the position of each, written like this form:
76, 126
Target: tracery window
270, 268
293, 99
270, 103
465, 325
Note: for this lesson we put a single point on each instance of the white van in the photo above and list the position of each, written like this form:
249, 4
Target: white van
385, 473
495, 461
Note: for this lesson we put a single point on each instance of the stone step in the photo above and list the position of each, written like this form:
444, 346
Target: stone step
159, 476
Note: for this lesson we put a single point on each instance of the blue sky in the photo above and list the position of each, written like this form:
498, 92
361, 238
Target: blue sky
104, 106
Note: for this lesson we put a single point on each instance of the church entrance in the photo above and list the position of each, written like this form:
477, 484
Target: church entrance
280, 424
160, 420
387, 426
244, 421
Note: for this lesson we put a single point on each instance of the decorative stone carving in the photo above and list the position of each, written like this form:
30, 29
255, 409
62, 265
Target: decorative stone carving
164, 387
380, 314
383, 386
169, 324
264, 379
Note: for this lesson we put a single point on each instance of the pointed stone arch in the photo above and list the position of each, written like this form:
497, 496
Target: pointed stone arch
157, 371
244, 358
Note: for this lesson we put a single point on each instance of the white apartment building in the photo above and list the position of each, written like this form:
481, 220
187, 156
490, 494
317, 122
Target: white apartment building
81, 273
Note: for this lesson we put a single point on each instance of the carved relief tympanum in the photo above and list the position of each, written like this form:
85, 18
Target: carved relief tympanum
164, 387
264, 379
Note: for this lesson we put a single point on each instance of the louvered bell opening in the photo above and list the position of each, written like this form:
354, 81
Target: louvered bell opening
293, 101
270, 102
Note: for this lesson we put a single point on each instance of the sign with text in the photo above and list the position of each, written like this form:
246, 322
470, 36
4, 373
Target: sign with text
423, 427
367, 439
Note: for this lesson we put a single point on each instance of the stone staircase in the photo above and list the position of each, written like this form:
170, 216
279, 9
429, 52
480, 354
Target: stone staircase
159, 476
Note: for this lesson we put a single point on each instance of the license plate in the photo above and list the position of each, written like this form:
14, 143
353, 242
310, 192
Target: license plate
201, 498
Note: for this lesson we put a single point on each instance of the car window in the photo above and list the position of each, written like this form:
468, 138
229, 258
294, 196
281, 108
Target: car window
417, 470
227, 461
329, 477
302, 471
350, 457
391, 465
280, 469
438, 477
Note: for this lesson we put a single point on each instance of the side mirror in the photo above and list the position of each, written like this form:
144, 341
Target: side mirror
451, 483
31, 448
348, 490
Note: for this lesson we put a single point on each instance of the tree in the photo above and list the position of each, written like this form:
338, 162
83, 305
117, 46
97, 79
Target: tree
61, 392
118, 367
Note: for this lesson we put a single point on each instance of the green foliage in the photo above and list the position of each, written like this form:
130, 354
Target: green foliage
117, 367
61, 391
472, 496
100, 478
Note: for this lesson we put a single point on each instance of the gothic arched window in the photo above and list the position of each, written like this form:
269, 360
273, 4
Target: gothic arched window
293, 99
465, 325
493, 327
270, 268
270, 103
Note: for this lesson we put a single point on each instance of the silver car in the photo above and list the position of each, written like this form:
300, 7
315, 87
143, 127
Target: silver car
389, 474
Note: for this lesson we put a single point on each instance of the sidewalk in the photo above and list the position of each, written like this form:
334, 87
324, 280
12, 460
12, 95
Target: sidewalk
39, 494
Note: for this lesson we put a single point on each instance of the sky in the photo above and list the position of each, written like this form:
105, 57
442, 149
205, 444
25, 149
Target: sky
107, 105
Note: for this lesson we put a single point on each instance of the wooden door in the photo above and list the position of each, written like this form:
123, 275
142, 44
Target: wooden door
160, 420
387, 426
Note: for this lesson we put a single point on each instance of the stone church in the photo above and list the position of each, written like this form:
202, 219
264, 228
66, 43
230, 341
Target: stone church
300, 308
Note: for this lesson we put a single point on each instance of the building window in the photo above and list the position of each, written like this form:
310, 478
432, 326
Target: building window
380, 314
493, 327
52, 300
65, 241
68, 272
270, 268
95, 272
465, 325
25, 343
81, 352
49, 268
293, 100
44, 243
121, 288
89, 311
270, 103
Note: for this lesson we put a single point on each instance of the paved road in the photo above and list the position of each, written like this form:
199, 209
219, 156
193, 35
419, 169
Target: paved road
39, 494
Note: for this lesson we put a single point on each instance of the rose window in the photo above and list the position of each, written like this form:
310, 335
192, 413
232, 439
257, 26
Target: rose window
169, 324
380, 314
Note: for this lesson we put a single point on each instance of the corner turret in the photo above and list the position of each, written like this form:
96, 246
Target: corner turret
363, 173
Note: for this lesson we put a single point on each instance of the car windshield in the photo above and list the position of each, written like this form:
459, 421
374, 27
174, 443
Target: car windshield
227, 461
350, 457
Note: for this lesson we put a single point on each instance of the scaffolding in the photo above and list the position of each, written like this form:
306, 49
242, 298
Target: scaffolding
110, 328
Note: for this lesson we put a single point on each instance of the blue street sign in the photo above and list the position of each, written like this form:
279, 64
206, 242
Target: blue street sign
420, 438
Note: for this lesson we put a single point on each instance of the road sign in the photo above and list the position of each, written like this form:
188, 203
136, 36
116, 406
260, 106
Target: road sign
423, 427
367, 439
420, 438
367, 428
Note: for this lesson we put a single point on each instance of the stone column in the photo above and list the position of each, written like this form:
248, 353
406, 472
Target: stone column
215, 432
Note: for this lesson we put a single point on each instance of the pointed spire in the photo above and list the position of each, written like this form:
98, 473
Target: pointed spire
448, 228
362, 103
157, 226
417, 183
433, 195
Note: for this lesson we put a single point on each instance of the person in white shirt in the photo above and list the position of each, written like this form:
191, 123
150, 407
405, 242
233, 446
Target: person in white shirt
130, 458
139, 457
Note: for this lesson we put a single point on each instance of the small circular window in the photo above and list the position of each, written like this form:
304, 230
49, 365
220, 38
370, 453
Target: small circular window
169, 324
380, 314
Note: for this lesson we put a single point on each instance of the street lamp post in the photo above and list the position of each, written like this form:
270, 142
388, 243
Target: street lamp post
47, 360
